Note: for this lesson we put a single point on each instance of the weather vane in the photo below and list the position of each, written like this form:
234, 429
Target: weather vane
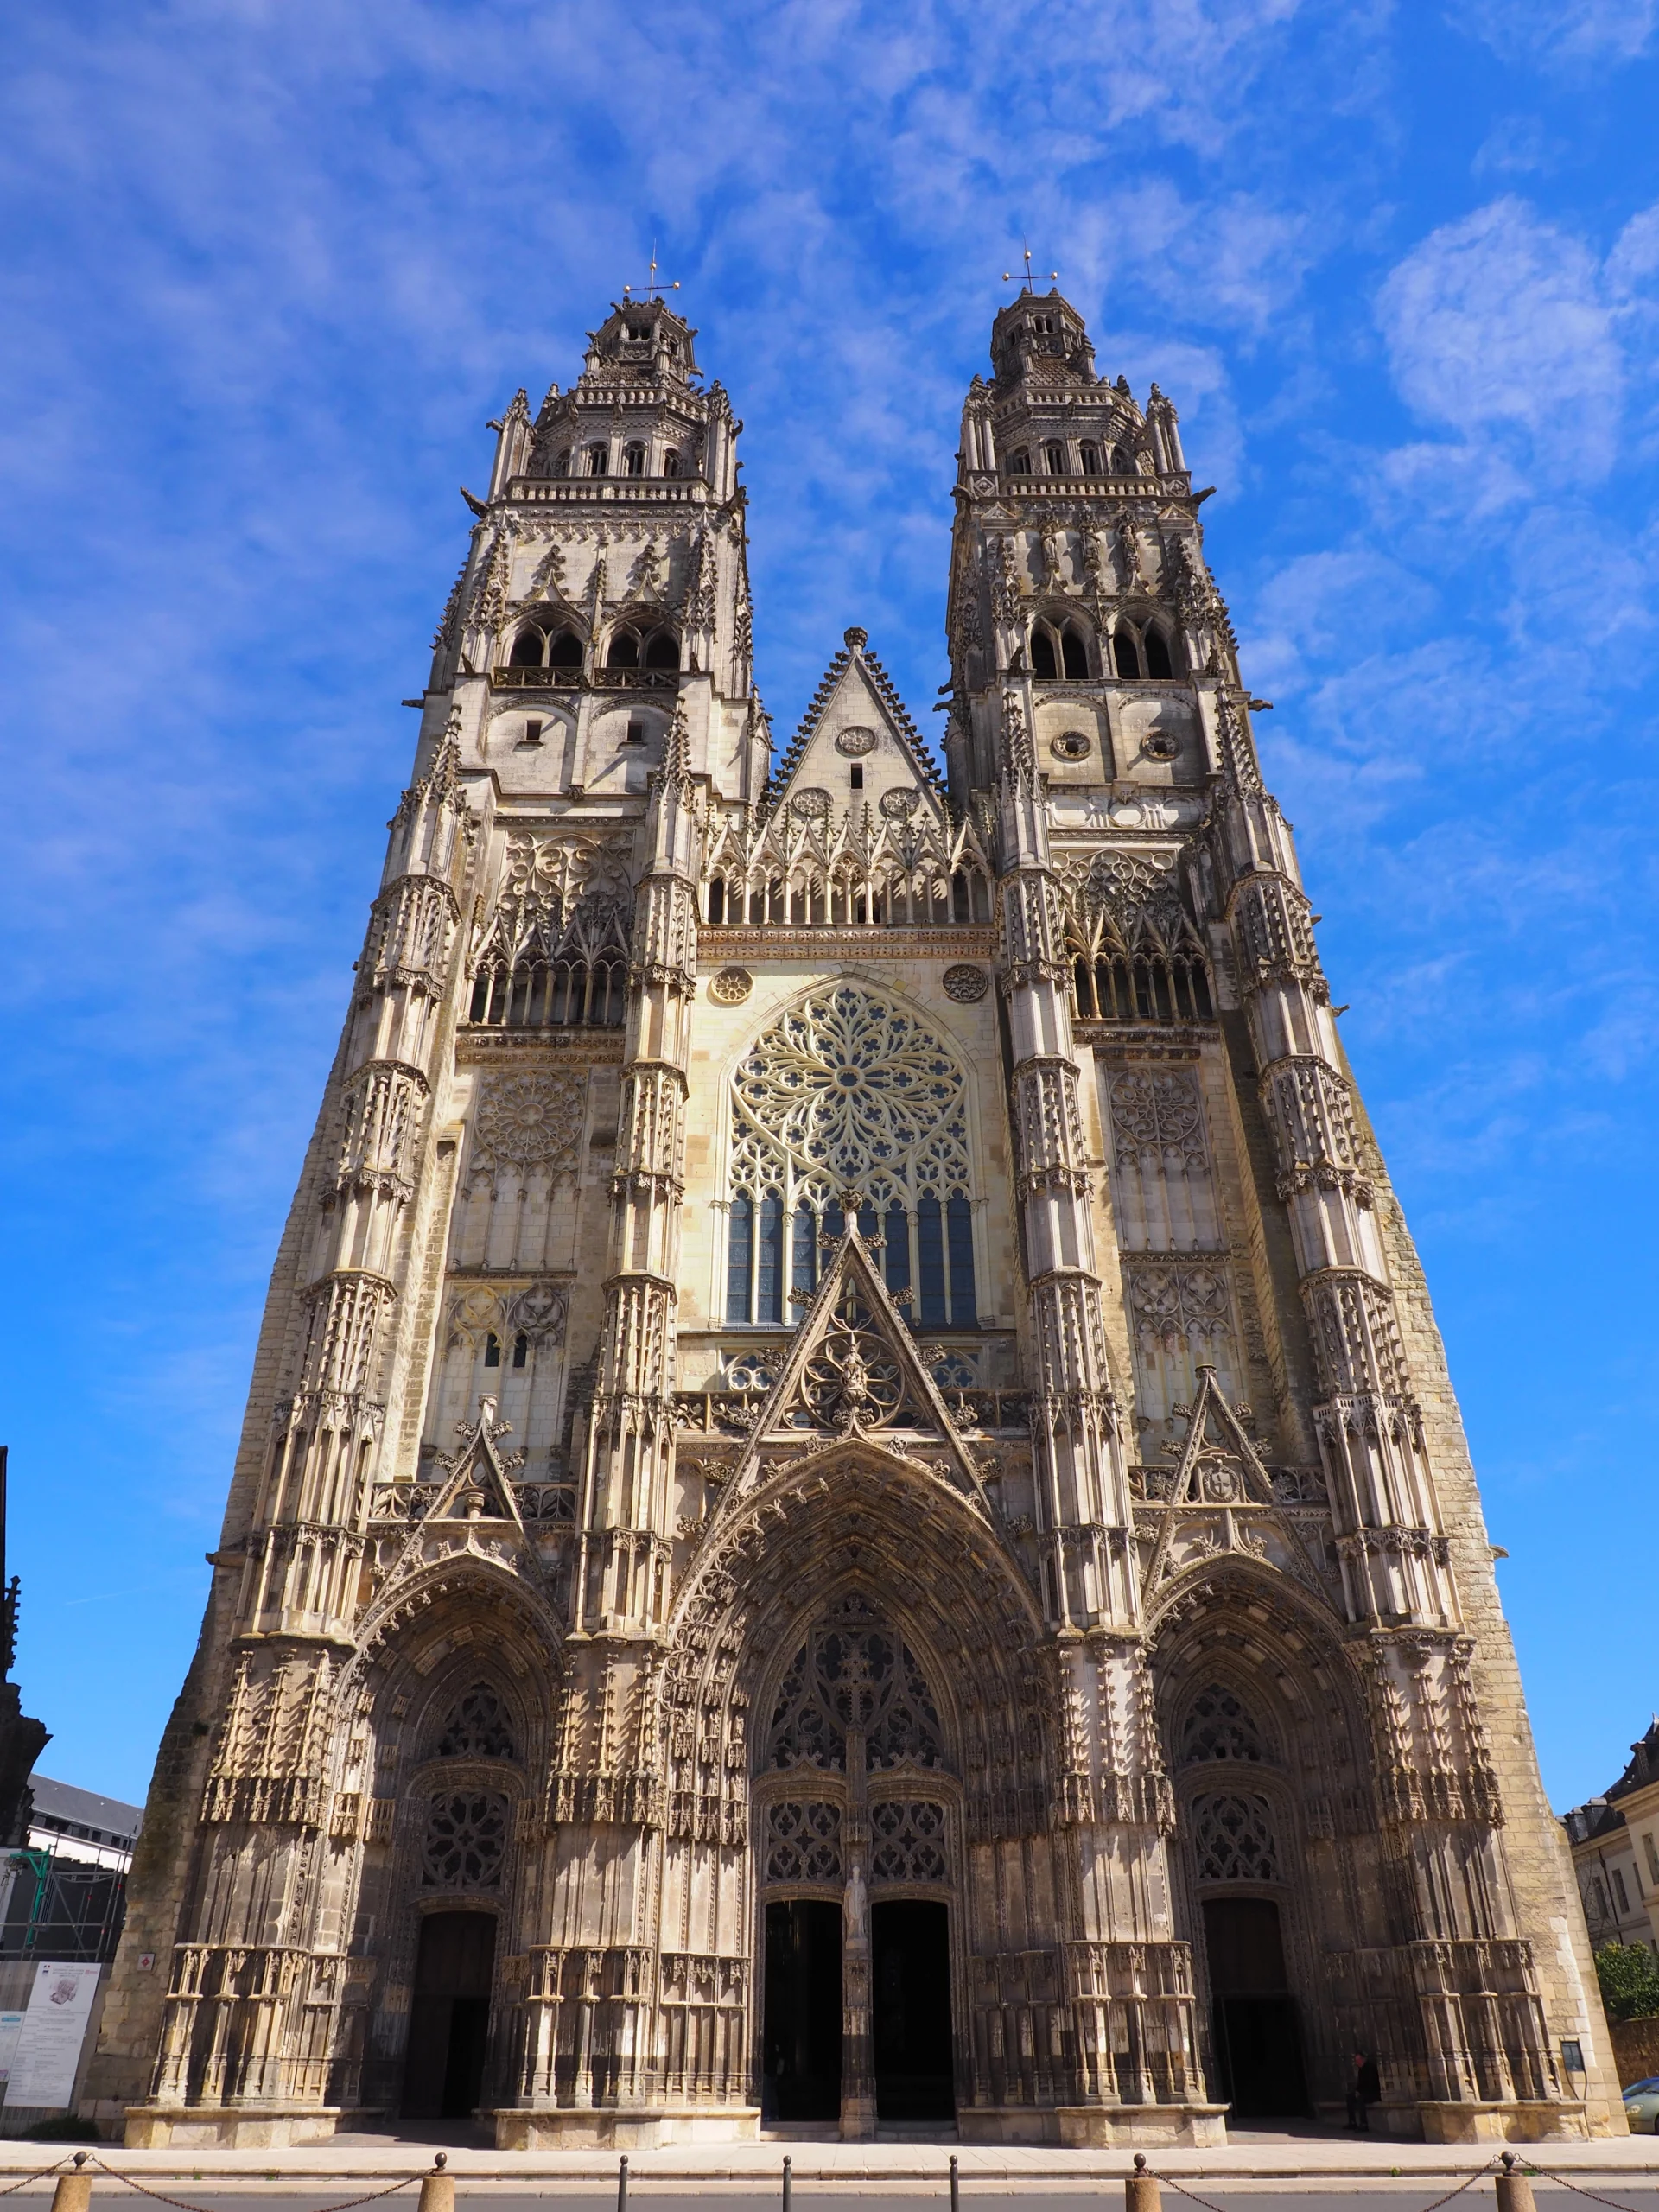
1031, 275
650, 286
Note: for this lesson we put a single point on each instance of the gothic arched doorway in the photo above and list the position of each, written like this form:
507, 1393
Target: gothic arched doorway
858, 1829
1277, 1885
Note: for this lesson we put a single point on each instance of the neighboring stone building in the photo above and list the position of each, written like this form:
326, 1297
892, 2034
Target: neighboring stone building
1615, 1842
850, 1501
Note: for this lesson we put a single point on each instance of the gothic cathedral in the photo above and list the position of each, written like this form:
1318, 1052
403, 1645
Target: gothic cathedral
850, 1509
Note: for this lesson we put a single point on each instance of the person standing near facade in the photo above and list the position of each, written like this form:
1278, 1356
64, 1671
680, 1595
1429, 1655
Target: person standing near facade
1366, 2090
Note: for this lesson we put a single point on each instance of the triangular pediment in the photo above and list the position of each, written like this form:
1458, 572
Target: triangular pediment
857, 720
1221, 1498
477, 1485
473, 1512
855, 1374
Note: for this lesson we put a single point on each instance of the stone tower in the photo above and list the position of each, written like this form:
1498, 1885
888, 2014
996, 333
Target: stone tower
850, 1506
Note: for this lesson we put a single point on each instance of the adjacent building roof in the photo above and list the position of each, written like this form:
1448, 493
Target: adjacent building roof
1599, 1817
83, 1813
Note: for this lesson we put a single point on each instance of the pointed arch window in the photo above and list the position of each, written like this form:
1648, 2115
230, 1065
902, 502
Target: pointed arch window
662, 651
1125, 654
598, 458
529, 648
1042, 654
477, 1728
565, 651
1074, 654
554, 960
1219, 1726
624, 650
1157, 657
850, 1088
633, 460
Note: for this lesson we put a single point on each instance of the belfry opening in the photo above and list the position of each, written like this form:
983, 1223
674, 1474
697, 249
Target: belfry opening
851, 1515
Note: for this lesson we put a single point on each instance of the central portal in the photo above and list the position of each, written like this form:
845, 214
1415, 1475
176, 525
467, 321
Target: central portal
909, 2010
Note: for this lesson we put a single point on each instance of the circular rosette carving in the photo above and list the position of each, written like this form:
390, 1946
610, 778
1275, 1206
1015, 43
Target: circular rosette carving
849, 1083
854, 1380
731, 986
1071, 745
532, 1120
965, 984
855, 743
466, 1840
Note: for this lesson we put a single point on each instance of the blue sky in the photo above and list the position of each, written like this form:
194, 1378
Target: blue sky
266, 269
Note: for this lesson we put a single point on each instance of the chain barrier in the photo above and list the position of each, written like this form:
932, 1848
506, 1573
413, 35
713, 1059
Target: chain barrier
1544, 2173
1167, 2181
179, 2204
44, 2174
1512, 2167
1504, 2161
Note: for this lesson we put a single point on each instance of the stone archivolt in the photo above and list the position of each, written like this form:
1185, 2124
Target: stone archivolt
843, 1354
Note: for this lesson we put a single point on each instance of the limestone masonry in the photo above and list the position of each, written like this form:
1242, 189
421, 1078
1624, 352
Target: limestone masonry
850, 1508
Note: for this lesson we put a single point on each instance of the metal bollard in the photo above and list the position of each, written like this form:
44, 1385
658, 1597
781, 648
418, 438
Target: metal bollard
789, 2176
74, 2191
1513, 2189
1140, 2189
622, 2185
438, 2188
956, 2184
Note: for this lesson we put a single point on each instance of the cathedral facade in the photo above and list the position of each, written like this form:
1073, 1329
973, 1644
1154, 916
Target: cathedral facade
851, 1509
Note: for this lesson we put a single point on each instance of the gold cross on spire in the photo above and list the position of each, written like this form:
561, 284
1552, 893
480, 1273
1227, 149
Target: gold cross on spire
1029, 279
650, 286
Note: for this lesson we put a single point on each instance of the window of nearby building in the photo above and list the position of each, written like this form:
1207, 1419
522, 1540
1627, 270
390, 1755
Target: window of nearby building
1653, 1859
1619, 1891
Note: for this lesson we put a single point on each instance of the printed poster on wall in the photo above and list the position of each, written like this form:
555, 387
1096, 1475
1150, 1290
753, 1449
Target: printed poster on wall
11, 2027
43, 2065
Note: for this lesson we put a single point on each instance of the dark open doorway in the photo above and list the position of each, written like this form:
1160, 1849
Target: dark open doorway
801, 2042
910, 2008
449, 2020
1258, 2044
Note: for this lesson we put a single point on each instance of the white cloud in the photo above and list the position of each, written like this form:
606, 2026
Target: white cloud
1498, 324
1548, 32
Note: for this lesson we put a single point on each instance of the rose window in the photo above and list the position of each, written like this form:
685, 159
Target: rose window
849, 1092
466, 1840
